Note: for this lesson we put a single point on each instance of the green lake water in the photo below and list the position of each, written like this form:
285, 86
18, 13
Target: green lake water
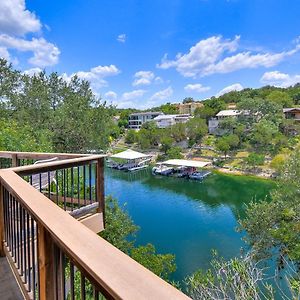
187, 218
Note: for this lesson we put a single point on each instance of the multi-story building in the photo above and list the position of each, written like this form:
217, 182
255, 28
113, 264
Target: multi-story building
136, 120
164, 121
188, 108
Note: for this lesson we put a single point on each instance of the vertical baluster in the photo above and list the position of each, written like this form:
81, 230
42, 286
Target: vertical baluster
84, 195
14, 228
21, 238
82, 287
40, 180
33, 259
57, 184
90, 183
28, 250
95, 294
64, 188
18, 233
72, 278
72, 188
24, 244
49, 186
78, 186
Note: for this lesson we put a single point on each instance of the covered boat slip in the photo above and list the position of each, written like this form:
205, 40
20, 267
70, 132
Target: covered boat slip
182, 168
129, 160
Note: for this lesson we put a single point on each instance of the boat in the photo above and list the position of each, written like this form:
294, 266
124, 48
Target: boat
199, 175
161, 169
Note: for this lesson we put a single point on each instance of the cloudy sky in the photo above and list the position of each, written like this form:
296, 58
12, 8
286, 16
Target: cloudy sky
144, 53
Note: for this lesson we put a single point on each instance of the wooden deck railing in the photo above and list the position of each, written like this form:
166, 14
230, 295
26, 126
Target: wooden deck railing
53, 255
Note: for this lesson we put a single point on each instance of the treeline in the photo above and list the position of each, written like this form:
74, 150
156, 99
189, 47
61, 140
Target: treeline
49, 113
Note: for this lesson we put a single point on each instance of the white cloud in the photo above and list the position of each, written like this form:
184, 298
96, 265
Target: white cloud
110, 95
279, 79
230, 88
15, 19
95, 75
213, 55
197, 87
15, 22
32, 71
163, 94
121, 38
133, 94
143, 78
44, 53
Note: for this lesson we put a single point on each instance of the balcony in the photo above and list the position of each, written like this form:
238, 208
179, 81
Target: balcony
50, 214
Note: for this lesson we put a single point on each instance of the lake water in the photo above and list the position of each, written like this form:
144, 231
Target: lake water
187, 218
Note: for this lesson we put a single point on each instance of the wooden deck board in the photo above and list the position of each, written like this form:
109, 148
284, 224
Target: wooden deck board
9, 289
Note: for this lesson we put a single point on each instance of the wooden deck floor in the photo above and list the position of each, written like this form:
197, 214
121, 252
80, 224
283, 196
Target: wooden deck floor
9, 289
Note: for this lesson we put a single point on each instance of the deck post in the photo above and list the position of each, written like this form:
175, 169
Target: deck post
45, 264
100, 187
14, 160
2, 252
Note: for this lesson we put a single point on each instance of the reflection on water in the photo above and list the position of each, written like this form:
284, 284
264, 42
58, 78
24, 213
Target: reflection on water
184, 217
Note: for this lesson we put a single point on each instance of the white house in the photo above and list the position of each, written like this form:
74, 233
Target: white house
163, 121
136, 120
213, 123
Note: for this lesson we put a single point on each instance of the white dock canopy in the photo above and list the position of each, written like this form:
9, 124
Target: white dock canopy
130, 154
186, 163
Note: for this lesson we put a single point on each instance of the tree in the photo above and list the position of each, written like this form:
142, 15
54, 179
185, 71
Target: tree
277, 162
223, 145
166, 143
130, 137
188, 100
273, 227
196, 129
255, 160
174, 152
280, 97
178, 132
239, 279
205, 112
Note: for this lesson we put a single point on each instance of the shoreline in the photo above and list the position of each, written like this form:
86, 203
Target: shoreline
242, 173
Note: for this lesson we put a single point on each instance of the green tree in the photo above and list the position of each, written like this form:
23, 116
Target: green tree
131, 136
273, 228
196, 129
223, 145
280, 97
166, 143
174, 152
255, 160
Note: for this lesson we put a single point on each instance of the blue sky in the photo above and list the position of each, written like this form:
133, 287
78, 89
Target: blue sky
144, 53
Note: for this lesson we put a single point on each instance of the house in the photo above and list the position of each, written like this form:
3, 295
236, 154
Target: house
163, 121
213, 124
188, 108
136, 120
292, 113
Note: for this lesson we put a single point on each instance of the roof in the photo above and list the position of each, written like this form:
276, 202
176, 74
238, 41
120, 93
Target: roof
186, 163
228, 113
163, 117
291, 109
129, 154
147, 113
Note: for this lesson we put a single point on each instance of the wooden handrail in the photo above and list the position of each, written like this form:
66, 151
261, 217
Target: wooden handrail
58, 164
38, 155
117, 274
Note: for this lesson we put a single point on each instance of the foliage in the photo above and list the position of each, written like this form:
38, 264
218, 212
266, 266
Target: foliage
160, 264
255, 159
166, 143
131, 136
196, 129
239, 279
273, 228
63, 114
174, 152
223, 145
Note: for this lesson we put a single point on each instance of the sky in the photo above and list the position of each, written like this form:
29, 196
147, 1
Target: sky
141, 54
